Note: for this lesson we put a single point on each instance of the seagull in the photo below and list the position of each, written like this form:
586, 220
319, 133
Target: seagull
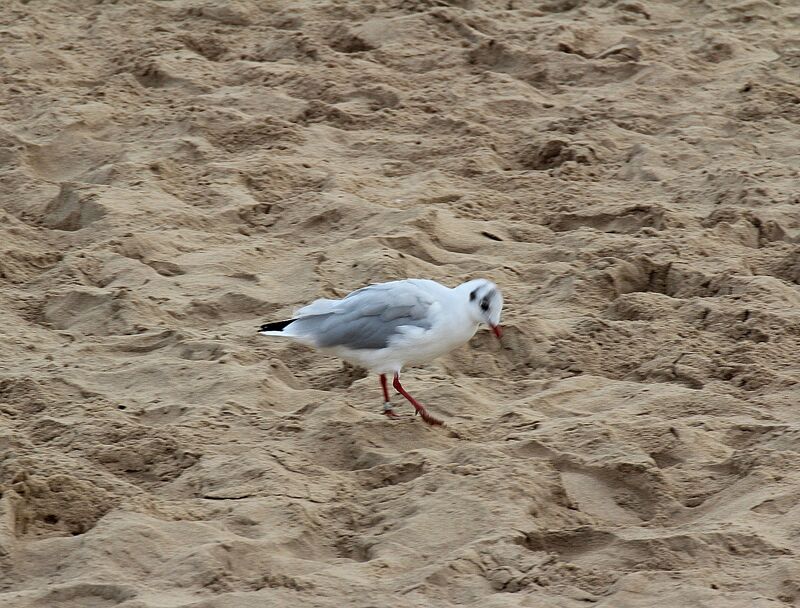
386, 326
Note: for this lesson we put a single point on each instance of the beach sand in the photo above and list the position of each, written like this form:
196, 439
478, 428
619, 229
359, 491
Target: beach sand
174, 173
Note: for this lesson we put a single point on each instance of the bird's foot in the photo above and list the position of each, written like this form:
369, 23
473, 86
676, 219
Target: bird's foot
389, 412
428, 418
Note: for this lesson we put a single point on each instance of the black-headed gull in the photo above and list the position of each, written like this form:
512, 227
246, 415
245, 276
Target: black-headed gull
386, 326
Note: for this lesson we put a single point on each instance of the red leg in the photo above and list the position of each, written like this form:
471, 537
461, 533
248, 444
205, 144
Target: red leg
417, 405
385, 386
387, 405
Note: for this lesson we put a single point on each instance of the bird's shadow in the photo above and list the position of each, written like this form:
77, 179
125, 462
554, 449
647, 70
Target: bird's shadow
343, 377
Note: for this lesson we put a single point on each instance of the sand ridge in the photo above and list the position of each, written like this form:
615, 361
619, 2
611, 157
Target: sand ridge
174, 173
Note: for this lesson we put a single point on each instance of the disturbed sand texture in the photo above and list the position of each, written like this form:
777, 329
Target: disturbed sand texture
173, 173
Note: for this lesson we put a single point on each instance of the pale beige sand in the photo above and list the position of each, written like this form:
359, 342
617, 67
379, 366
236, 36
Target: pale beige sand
173, 173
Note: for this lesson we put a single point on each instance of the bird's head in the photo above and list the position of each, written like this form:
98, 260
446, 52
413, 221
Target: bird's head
485, 303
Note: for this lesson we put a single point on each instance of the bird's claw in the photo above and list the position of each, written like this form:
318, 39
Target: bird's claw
432, 420
389, 412
420, 411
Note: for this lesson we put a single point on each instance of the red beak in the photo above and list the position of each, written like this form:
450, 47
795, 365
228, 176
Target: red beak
498, 331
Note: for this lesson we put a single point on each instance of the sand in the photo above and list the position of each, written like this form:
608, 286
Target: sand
174, 173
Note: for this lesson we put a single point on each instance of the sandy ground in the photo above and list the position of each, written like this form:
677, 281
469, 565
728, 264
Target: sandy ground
173, 173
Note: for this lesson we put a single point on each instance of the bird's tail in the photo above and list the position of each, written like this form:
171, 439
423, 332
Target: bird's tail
276, 328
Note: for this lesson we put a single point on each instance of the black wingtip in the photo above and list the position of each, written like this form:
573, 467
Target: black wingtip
276, 326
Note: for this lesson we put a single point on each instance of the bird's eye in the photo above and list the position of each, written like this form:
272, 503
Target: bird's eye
484, 305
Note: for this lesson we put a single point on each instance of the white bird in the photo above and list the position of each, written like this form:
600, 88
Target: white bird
385, 326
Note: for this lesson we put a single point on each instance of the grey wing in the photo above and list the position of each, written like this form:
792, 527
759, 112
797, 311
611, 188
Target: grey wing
369, 317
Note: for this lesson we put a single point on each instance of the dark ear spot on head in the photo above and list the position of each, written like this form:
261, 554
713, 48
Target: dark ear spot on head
473, 294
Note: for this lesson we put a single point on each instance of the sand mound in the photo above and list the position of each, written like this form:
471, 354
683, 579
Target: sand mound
174, 173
